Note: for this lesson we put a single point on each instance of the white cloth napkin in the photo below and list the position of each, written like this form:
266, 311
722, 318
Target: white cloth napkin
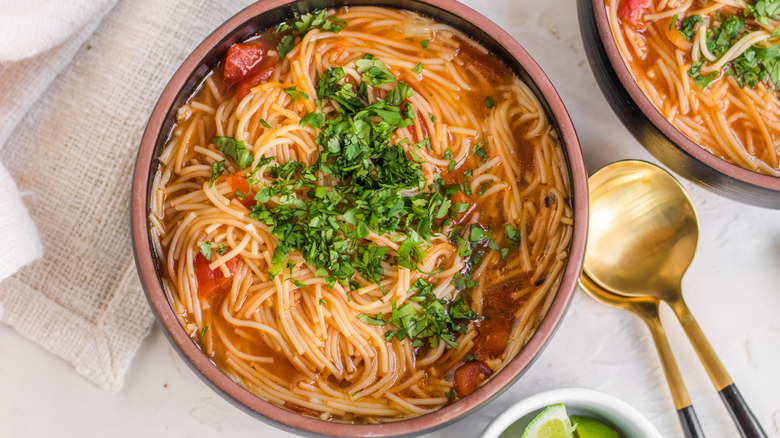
78, 80
27, 29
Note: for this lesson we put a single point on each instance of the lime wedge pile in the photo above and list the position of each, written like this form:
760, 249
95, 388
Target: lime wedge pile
554, 422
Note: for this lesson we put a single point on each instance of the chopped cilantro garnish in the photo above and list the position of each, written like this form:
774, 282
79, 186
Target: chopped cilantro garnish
460, 207
312, 119
264, 123
418, 68
489, 102
705, 81
432, 117
479, 151
303, 24
484, 186
203, 331
318, 20
216, 171
285, 46
295, 94
328, 225
297, 283
477, 233
460, 310
375, 72
512, 235
371, 320
235, 150
687, 26
424, 44
764, 10
205, 249
429, 318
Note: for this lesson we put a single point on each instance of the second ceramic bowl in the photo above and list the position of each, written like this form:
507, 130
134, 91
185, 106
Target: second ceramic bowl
653, 131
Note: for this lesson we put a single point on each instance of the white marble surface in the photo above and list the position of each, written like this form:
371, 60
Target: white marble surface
733, 288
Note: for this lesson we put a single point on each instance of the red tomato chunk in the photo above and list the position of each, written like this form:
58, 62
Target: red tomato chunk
240, 60
212, 281
469, 376
632, 10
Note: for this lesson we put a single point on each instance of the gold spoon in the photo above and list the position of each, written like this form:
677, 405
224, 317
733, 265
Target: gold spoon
642, 238
647, 309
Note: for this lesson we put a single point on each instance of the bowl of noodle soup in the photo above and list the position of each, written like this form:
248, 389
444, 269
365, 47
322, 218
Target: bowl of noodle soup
352, 219
694, 82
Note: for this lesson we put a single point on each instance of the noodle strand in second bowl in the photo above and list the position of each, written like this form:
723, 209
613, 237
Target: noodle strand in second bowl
712, 68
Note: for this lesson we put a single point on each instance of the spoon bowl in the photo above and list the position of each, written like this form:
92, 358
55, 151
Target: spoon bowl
642, 222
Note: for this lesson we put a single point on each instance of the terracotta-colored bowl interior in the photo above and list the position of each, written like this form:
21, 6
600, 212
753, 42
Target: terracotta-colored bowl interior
761, 181
270, 12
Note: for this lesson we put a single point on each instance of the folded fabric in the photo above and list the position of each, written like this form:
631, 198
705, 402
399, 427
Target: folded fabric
73, 148
30, 27
17, 231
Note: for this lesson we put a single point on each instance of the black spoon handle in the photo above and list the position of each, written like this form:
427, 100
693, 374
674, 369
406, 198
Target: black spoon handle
690, 423
743, 417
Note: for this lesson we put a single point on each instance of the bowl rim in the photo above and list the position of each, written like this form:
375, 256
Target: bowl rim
679, 139
600, 402
286, 419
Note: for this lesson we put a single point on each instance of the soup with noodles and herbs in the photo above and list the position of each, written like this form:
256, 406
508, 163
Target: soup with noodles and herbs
712, 68
361, 215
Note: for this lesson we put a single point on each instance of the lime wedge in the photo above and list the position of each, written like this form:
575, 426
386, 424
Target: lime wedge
591, 428
552, 422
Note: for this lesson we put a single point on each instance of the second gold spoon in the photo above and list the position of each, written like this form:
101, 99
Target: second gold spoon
647, 310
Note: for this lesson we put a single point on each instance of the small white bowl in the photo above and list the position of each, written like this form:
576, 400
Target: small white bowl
578, 401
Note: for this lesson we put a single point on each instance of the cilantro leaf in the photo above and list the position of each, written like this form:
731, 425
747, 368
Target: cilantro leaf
295, 94
512, 235
687, 26
705, 81
371, 320
318, 19
216, 171
235, 150
375, 72
205, 249
285, 46
312, 119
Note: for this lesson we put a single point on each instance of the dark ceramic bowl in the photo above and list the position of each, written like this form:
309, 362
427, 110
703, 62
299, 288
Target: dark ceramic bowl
258, 17
653, 131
